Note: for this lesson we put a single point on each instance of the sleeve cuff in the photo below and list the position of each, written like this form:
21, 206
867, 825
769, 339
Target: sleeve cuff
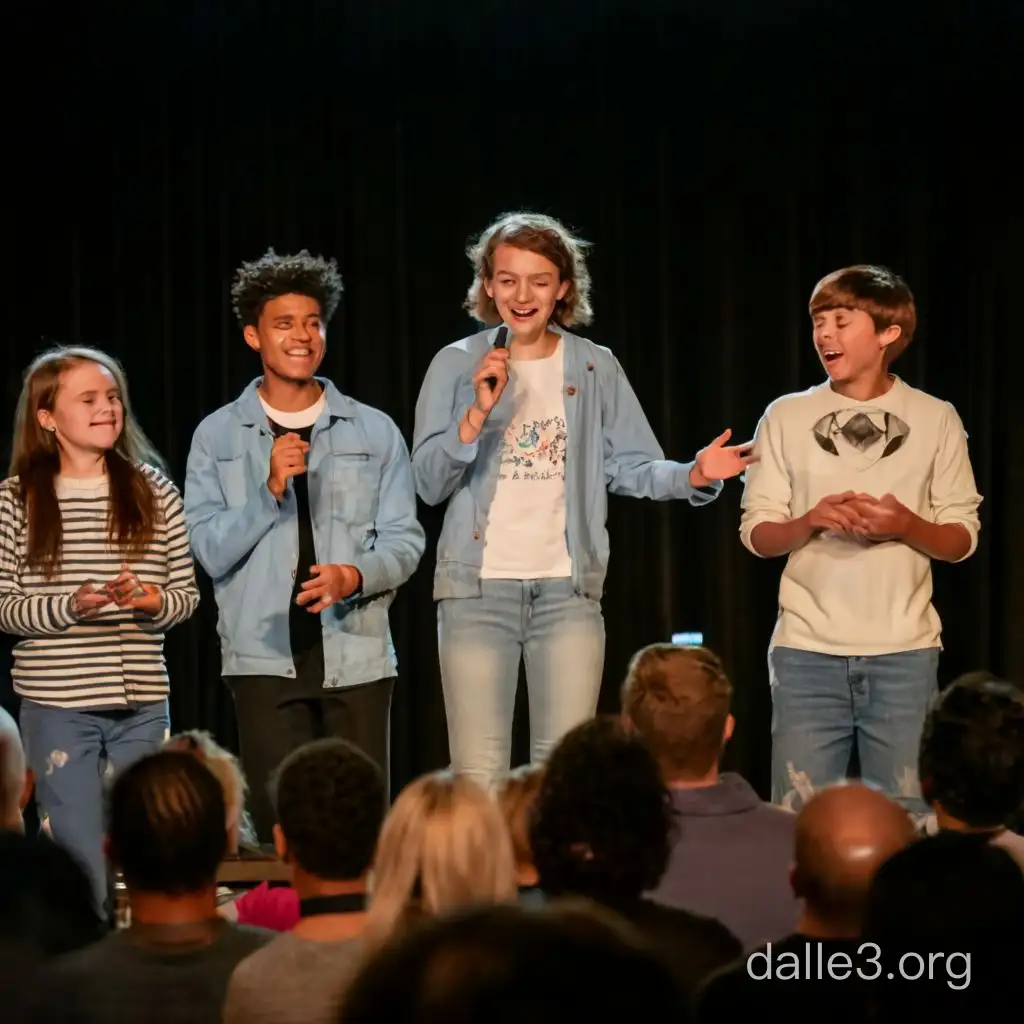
698, 495
746, 531
63, 611
972, 532
457, 449
371, 577
163, 618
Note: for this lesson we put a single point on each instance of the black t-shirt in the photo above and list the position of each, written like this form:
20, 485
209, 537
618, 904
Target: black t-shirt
691, 945
304, 627
794, 979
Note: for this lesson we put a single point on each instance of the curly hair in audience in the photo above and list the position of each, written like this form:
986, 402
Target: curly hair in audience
971, 759
603, 824
329, 798
508, 964
167, 824
272, 276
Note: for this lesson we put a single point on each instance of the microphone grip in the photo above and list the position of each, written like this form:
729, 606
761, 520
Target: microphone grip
499, 342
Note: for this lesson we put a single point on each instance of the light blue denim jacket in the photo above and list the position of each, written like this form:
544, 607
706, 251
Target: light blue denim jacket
610, 447
363, 508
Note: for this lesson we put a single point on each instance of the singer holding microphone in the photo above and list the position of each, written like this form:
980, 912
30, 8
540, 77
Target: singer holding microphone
301, 508
522, 429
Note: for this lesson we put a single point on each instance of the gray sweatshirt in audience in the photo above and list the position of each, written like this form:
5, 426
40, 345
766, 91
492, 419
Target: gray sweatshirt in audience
731, 861
121, 980
292, 981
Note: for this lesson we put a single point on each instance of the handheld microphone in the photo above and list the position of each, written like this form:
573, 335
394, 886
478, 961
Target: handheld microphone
500, 342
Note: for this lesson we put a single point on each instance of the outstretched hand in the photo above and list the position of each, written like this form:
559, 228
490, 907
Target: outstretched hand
717, 462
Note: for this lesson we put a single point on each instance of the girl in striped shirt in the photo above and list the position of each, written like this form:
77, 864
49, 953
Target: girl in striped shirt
94, 568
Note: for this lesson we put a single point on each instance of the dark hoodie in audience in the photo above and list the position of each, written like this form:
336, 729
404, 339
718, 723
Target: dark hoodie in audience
971, 760
167, 834
46, 909
516, 965
844, 834
947, 917
602, 829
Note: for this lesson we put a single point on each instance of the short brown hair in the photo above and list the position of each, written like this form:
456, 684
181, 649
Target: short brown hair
678, 699
516, 799
545, 236
877, 291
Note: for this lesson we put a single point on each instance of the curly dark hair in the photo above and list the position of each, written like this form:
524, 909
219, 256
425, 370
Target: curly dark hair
329, 797
971, 759
603, 824
507, 964
271, 276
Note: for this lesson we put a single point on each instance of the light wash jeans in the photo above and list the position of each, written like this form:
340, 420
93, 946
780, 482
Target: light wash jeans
560, 636
823, 704
70, 752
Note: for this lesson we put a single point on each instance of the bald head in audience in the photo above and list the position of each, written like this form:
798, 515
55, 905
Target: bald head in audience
843, 836
15, 778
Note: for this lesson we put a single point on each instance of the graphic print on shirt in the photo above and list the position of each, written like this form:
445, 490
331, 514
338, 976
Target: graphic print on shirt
862, 436
534, 450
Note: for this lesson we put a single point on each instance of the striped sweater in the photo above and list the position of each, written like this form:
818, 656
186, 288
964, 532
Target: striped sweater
115, 660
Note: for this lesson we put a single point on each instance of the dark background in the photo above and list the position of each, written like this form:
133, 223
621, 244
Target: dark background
721, 155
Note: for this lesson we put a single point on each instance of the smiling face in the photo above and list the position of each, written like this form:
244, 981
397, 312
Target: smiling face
849, 346
86, 415
290, 337
525, 288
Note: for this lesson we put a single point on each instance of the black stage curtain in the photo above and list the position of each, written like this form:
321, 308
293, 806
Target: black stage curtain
721, 155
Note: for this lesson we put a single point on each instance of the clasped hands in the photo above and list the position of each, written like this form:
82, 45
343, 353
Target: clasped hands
861, 516
126, 590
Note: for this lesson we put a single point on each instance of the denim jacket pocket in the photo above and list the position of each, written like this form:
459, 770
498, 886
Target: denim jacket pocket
355, 487
232, 477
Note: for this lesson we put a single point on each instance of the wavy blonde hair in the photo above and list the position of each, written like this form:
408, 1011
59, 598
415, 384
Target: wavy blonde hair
444, 845
516, 799
534, 232
225, 768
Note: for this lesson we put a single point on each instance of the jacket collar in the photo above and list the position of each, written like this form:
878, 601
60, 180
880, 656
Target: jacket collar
249, 409
571, 344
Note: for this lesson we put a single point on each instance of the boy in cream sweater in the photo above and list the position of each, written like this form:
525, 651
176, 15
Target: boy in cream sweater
862, 480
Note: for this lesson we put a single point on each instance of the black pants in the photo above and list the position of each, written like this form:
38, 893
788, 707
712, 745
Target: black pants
276, 715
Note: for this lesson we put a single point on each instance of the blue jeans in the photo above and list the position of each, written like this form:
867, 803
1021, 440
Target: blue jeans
823, 704
560, 636
69, 751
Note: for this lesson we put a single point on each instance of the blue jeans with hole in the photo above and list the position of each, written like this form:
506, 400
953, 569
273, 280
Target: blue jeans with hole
69, 752
560, 637
823, 704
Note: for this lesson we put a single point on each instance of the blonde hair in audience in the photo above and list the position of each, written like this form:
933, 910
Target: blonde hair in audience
443, 845
516, 798
226, 770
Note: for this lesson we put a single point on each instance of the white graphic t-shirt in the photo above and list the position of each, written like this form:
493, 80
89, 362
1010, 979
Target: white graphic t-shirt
525, 537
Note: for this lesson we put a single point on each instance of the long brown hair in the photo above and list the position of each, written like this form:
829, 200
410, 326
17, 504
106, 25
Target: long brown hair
35, 460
